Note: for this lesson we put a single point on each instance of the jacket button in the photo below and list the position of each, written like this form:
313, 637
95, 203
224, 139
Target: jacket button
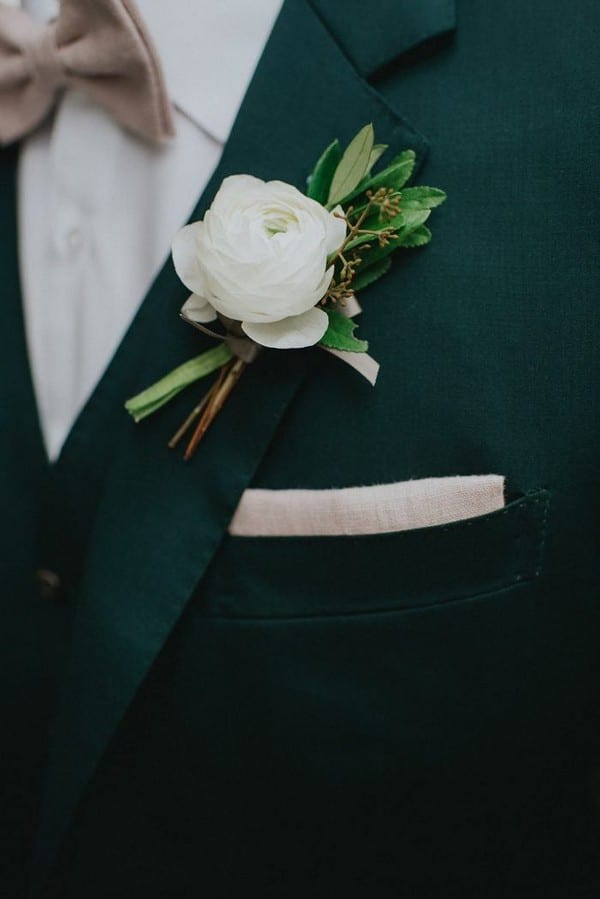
48, 582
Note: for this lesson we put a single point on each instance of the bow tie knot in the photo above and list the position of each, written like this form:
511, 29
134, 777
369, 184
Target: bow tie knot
99, 46
43, 59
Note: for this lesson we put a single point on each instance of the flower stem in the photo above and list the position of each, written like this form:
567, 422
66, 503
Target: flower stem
228, 378
196, 411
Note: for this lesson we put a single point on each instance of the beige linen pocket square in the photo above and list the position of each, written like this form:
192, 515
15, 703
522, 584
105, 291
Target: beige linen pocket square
381, 509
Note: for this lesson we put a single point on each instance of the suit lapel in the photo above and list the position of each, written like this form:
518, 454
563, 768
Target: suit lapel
160, 520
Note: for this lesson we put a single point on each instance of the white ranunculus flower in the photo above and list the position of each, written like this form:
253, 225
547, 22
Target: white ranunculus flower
260, 257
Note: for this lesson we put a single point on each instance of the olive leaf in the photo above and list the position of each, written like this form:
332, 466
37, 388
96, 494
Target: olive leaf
319, 182
353, 166
339, 334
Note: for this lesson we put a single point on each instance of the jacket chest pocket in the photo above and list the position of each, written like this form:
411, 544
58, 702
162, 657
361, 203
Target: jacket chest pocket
289, 577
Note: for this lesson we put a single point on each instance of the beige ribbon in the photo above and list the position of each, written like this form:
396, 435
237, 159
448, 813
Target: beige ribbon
248, 350
364, 364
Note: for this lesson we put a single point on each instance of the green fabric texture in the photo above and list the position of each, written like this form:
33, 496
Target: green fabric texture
411, 715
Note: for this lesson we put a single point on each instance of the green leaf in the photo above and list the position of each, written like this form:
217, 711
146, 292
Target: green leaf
416, 237
319, 182
395, 175
160, 393
421, 198
339, 334
138, 414
353, 166
376, 154
363, 239
407, 223
401, 168
409, 219
371, 274
405, 220
376, 253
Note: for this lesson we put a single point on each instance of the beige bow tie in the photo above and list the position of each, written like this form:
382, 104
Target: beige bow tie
100, 46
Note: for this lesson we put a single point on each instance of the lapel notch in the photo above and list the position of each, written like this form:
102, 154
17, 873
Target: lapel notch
398, 34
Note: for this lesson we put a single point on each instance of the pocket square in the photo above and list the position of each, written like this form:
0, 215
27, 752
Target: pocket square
379, 509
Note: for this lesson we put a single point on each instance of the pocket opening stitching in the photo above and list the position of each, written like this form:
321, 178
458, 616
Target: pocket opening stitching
522, 577
515, 582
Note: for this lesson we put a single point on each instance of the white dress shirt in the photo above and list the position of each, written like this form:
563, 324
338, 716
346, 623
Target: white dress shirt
98, 208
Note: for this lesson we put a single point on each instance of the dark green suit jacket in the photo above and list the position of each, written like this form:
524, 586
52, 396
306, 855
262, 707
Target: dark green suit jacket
411, 715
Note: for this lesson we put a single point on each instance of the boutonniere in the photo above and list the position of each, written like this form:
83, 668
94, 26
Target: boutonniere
277, 269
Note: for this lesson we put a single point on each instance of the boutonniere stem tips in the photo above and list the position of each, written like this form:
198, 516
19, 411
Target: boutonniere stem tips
209, 406
271, 268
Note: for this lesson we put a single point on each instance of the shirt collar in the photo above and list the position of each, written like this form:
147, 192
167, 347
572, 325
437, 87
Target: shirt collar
40, 9
209, 50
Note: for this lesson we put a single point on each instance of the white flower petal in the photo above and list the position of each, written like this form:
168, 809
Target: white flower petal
199, 310
232, 189
289, 333
260, 255
186, 257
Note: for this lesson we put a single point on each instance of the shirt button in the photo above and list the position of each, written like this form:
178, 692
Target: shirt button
74, 239
49, 583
